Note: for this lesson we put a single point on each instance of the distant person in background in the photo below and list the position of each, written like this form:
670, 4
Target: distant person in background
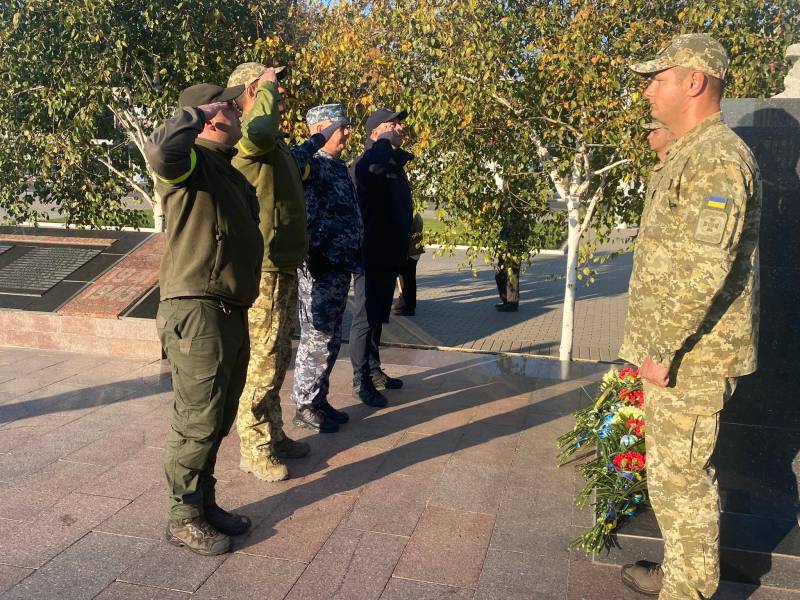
659, 139
406, 304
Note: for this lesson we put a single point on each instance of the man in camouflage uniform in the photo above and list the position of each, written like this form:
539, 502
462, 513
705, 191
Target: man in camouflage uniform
268, 164
335, 234
659, 138
693, 307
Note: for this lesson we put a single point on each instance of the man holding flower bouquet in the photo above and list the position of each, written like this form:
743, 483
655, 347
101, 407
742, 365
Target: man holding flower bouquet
693, 307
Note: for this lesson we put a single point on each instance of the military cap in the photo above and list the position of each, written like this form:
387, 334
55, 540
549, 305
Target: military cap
206, 93
383, 115
652, 125
698, 51
327, 112
247, 73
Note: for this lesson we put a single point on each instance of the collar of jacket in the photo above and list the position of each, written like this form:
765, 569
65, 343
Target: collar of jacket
323, 154
695, 132
227, 151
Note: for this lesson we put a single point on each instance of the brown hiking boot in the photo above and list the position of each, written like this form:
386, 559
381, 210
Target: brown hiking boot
643, 577
227, 522
289, 448
198, 535
263, 466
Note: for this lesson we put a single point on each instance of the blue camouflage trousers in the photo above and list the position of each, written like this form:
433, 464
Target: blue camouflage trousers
322, 302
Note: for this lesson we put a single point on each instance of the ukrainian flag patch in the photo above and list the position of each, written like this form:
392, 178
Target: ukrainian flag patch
717, 202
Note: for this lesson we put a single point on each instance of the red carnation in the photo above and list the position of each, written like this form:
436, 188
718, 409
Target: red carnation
629, 461
636, 426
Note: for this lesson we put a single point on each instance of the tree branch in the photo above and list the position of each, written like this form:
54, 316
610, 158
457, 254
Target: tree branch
147, 196
611, 166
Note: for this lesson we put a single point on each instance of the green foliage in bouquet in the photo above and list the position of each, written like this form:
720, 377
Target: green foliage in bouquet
614, 427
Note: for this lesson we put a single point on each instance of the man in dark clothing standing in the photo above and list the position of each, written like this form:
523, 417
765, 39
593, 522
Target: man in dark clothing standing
384, 197
209, 277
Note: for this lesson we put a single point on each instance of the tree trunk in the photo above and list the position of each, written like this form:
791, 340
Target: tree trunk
158, 212
573, 243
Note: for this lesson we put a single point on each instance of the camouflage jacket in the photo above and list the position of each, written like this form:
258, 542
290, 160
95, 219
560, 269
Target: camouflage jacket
693, 301
335, 230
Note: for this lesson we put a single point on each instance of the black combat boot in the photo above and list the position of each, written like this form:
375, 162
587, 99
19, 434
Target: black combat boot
226, 522
311, 418
366, 392
337, 416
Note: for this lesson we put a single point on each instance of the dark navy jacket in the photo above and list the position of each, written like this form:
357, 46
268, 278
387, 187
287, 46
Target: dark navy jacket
384, 196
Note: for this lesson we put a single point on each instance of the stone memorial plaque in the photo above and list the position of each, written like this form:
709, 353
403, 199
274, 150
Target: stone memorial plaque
41, 268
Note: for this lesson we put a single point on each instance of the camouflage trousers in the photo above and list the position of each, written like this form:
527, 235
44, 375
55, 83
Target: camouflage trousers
322, 304
271, 318
682, 482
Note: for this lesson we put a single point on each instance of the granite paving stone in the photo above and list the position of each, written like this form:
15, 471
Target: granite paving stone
517, 576
83, 570
167, 566
11, 576
405, 589
144, 517
25, 504
299, 527
127, 591
130, 478
352, 565
244, 576
392, 504
470, 486
31, 545
447, 547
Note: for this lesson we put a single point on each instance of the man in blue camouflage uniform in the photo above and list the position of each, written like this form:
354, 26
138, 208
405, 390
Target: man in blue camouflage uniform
335, 233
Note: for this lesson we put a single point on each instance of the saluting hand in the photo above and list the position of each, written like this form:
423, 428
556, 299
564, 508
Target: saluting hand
331, 129
395, 138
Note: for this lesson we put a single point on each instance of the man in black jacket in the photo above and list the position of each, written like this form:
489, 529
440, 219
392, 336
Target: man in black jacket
384, 197
209, 277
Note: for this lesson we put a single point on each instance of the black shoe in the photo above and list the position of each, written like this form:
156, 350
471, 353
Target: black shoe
367, 393
311, 418
226, 522
507, 307
383, 382
198, 535
331, 414
404, 312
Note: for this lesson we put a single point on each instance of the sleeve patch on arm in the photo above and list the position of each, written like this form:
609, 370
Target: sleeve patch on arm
711, 225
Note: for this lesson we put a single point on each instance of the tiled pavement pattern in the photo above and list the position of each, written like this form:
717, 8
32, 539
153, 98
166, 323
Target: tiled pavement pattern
456, 310
449, 493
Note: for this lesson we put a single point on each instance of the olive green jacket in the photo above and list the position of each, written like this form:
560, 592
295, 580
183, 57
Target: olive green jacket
214, 246
267, 163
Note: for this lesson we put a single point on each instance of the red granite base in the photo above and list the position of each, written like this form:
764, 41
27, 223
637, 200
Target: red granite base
125, 337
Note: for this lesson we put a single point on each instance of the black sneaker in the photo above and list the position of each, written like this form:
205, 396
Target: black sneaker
404, 312
227, 522
198, 535
383, 382
337, 416
367, 393
311, 418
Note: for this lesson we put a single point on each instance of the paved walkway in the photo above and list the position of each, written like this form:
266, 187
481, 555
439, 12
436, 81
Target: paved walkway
449, 493
456, 309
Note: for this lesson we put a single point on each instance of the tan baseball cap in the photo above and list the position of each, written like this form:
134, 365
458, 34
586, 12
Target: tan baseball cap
698, 51
247, 73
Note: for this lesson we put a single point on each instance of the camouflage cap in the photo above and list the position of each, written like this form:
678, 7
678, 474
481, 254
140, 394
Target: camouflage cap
247, 73
327, 112
653, 125
697, 51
